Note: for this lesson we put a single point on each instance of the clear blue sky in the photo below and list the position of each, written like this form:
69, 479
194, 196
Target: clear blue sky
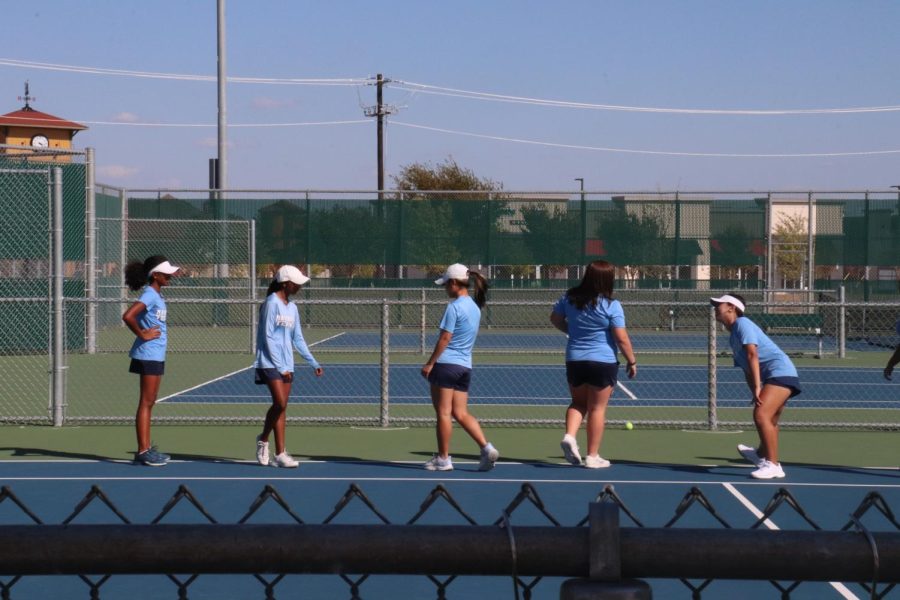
690, 54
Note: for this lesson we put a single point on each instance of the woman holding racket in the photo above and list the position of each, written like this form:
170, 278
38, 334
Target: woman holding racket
146, 318
449, 369
771, 377
595, 326
278, 334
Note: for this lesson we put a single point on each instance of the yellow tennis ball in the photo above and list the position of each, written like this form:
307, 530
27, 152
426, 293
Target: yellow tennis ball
629, 425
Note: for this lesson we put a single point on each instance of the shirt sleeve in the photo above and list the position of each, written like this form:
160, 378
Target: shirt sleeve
273, 337
560, 307
747, 333
300, 343
448, 322
616, 314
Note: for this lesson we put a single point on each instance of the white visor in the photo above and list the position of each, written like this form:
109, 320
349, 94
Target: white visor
730, 300
165, 267
455, 271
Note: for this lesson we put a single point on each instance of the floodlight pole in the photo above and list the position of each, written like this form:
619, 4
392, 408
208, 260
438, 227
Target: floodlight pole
221, 174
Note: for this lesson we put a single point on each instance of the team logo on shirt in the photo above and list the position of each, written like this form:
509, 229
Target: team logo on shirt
161, 315
284, 321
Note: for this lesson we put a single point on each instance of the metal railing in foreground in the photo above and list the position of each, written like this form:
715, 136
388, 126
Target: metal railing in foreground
602, 559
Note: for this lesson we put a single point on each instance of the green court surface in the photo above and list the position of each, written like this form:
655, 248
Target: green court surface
532, 444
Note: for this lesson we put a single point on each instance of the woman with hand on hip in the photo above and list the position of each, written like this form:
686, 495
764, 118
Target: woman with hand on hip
449, 369
771, 377
595, 326
278, 334
146, 318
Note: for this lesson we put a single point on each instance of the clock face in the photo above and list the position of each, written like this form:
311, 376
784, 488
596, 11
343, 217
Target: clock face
40, 141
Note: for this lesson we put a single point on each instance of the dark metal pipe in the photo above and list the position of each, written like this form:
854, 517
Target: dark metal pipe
399, 549
421, 549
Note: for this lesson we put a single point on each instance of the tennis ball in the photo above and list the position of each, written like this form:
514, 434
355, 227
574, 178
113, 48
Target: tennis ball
629, 425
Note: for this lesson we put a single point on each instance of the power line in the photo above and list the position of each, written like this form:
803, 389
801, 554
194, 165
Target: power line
474, 95
9, 62
424, 88
650, 152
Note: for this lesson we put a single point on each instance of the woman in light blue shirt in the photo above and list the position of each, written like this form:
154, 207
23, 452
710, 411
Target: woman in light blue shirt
449, 369
771, 377
595, 326
146, 318
277, 336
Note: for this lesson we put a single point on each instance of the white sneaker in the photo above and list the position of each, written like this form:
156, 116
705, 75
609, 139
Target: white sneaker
489, 456
595, 462
768, 470
284, 460
439, 464
262, 451
749, 454
570, 449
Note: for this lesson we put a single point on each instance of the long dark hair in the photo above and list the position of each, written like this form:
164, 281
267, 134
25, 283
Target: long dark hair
598, 280
137, 273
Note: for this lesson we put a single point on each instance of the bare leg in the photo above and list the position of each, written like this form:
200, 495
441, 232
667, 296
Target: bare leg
597, 400
276, 416
442, 400
149, 390
766, 417
577, 410
465, 419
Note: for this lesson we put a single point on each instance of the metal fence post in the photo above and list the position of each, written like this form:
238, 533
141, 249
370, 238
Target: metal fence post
712, 349
58, 392
422, 348
123, 249
90, 271
842, 322
385, 362
251, 315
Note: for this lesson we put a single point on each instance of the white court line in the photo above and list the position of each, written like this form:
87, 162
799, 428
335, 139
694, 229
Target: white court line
839, 587
232, 373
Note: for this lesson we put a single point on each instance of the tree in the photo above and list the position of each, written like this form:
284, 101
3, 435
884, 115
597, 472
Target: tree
436, 229
733, 251
791, 243
636, 243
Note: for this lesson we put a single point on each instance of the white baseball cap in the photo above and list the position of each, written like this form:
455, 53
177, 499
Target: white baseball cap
292, 274
729, 299
454, 271
164, 267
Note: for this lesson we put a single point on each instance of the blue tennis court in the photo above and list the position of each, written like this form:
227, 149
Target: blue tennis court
663, 386
544, 341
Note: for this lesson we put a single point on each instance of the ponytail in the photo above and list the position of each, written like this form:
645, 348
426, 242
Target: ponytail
274, 286
137, 273
480, 285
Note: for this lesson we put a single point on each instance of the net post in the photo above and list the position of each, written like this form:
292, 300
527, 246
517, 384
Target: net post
712, 412
385, 362
58, 398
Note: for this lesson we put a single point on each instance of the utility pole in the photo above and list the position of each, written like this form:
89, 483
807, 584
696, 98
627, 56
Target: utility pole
380, 111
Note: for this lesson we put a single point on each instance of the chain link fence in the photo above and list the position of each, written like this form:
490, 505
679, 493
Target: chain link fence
63, 346
710, 542
373, 349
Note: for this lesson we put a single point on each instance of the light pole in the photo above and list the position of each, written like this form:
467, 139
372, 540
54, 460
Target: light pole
580, 180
